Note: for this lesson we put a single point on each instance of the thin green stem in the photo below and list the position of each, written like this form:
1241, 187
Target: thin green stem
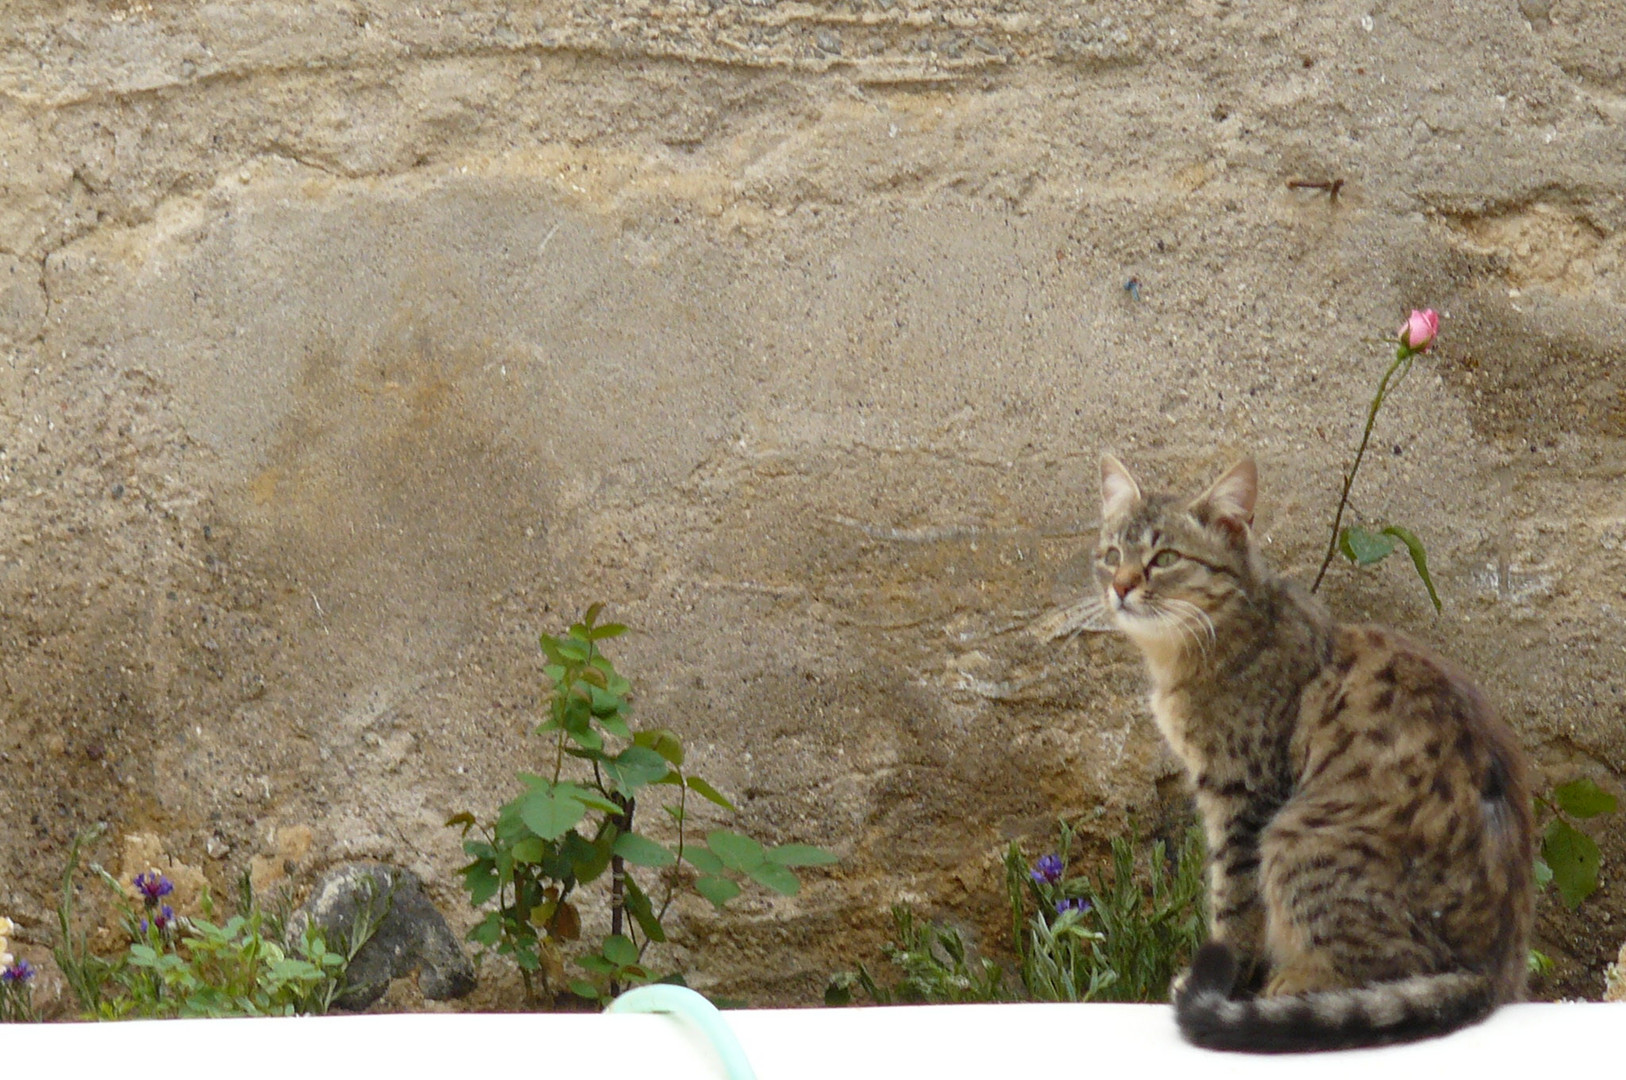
1402, 362
682, 820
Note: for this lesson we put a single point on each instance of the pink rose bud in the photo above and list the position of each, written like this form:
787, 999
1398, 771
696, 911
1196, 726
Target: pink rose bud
1418, 333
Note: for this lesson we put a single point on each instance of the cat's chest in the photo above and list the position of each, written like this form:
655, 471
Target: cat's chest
1172, 712
1200, 736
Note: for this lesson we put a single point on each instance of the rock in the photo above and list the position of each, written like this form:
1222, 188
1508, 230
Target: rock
411, 936
1614, 977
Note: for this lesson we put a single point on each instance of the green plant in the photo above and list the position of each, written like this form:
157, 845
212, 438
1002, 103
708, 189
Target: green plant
1366, 547
176, 966
935, 966
1569, 857
1121, 936
561, 834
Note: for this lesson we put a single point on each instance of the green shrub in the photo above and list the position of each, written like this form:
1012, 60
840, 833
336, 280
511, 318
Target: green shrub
562, 834
175, 966
1119, 936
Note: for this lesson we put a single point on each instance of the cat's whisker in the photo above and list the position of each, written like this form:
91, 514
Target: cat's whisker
1089, 615
1180, 620
1200, 620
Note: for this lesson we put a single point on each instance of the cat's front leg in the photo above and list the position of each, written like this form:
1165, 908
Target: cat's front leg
1236, 913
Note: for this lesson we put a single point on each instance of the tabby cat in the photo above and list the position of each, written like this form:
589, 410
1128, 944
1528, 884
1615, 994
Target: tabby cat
1368, 815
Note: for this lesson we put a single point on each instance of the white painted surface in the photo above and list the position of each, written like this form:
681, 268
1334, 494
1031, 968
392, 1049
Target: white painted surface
986, 1042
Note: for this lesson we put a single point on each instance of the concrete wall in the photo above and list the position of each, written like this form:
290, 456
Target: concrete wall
344, 346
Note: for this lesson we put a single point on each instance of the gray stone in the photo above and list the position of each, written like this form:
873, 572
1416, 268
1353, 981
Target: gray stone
412, 935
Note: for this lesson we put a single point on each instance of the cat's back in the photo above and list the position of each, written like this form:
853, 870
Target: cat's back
1403, 743
1385, 699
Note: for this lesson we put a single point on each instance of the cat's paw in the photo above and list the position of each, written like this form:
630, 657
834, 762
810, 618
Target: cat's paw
1177, 985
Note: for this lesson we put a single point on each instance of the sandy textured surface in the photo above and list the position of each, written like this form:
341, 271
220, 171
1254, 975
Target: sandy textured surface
346, 346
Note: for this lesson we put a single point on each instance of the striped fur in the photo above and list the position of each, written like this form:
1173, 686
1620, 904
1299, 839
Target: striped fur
1367, 813
1400, 1010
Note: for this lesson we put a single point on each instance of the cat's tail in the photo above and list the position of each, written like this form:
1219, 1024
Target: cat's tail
1386, 1012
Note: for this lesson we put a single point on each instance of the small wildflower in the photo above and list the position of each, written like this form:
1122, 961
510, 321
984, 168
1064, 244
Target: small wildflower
1418, 333
1078, 904
152, 885
165, 917
1047, 871
20, 972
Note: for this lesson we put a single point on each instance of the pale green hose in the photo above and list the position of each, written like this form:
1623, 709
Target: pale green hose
685, 1004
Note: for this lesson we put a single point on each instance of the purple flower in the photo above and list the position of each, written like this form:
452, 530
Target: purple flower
166, 915
1047, 871
152, 885
1077, 904
20, 972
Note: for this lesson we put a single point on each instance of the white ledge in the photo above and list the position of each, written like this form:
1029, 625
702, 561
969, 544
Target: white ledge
985, 1042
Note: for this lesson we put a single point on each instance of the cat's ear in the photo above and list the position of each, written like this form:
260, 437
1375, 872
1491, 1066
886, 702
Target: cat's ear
1118, 489
1228, 502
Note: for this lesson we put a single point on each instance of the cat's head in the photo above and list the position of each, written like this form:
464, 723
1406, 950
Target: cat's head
1170, 567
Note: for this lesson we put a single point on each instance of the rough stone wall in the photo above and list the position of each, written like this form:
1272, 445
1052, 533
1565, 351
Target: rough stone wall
347, 345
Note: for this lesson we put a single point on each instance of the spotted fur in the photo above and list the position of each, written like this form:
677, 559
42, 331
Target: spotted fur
1367, 813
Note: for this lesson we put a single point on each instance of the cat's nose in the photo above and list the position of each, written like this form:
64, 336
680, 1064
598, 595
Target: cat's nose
1124, 582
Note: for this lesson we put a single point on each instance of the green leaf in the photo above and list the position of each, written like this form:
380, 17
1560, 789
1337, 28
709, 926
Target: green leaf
702, 859
596, 964
616, 725
642, 851
775, 877
591, 799
488, 930
706, 791
1544, 873
663, 742
801, 855
1364, 548
578, 714
583, 988
719, 890
1583, 799
1418, 558
589, 858
643, 912
620, 951
532, 849
634, 767
480, 879
588, 738
572, 649
551, 814
464, 819
1574, 859
608, 630
737, 852
592, 614
604, 702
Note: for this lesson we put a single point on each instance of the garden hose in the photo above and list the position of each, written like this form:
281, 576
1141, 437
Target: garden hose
681, 1002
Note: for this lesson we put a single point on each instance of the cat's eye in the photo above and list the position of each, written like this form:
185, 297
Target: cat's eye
1110, 557
1165, 559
